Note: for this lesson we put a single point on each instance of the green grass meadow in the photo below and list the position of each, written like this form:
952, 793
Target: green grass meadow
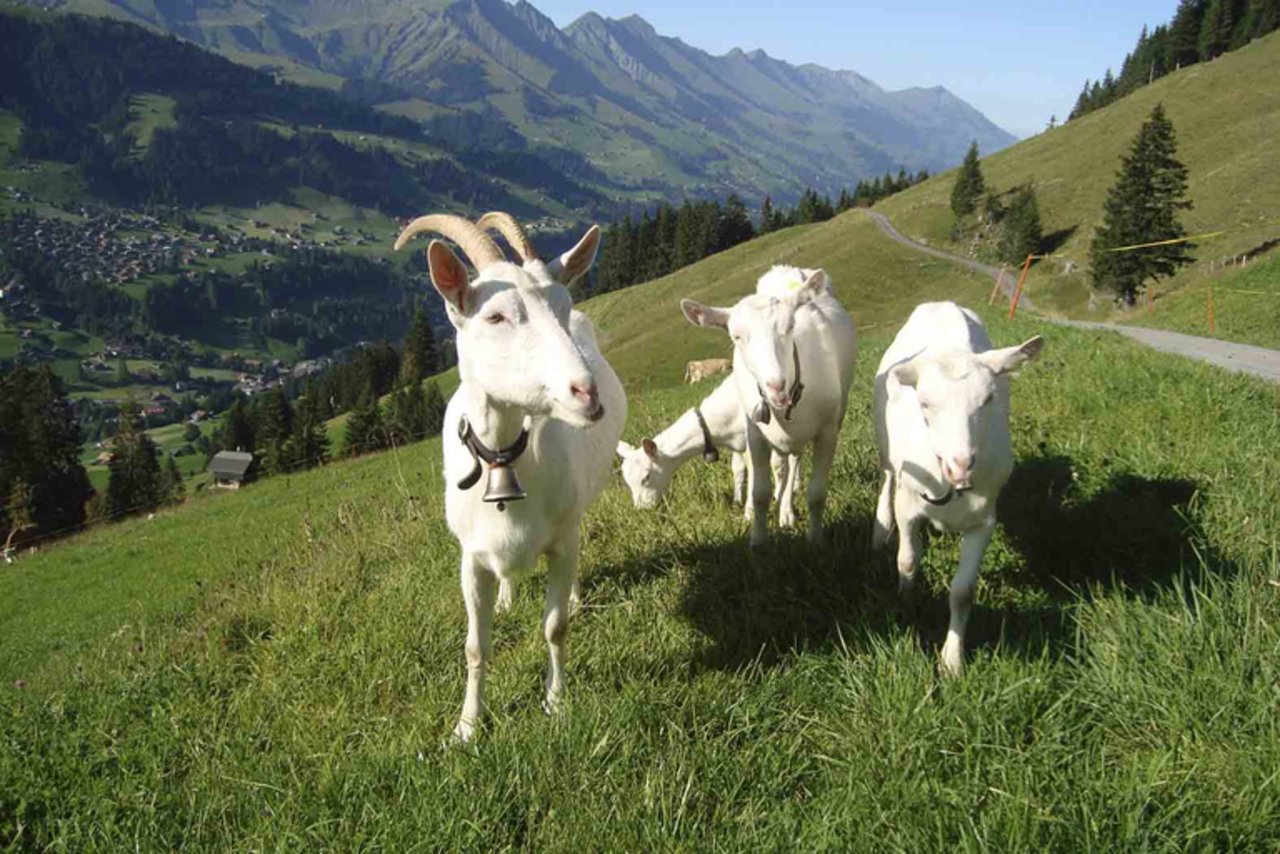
280, 667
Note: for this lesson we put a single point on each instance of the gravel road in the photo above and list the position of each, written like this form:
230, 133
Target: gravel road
1245, 358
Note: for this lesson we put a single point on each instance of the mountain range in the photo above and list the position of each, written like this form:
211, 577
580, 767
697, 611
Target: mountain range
610, 100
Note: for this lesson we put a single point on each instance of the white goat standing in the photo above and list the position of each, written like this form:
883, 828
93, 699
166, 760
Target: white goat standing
942, 426
531, 372
715, 424
791, 337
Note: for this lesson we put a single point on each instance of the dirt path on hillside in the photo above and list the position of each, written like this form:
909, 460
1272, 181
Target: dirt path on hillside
1245, 358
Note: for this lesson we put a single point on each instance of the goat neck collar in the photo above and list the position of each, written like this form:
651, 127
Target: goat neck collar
501, 458
940, 502
762, 414
709, 452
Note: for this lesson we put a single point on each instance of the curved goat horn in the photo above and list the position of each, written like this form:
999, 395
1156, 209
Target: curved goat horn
507, 226
477, 245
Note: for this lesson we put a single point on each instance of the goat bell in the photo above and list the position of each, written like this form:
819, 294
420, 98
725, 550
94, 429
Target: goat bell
502, 486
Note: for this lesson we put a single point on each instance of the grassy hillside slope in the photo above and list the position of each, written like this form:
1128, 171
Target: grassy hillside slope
262, 669
1226, 115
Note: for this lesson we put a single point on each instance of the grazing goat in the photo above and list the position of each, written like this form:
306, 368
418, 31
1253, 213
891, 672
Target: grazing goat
699, 369
942, 426
540, 407
715, 424
791, 337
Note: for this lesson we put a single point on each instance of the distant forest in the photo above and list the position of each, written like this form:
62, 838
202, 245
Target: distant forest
663, 241
70, 80
1201, 30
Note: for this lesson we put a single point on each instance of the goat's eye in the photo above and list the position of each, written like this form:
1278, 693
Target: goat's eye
494, 319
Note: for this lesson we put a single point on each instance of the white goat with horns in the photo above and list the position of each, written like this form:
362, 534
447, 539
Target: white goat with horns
539, 408
942, 425
791, 339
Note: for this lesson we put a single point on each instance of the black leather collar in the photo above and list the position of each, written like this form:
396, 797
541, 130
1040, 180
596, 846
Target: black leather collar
479, 451
709, 452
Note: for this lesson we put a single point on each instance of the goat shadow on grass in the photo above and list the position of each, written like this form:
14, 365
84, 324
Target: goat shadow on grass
1134, 534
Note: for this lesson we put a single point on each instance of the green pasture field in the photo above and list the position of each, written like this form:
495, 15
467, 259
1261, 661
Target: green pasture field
281, 667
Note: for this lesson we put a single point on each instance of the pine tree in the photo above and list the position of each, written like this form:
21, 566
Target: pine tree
766, 216
123, 377
172, 488
40, 445
1217, 29
134, 485
969, 184
273, 424
309, 442
433, 407
365, 429
19, 512
734, 226
1142, 207
237, 428
1184, 34
1020, 231
420, 357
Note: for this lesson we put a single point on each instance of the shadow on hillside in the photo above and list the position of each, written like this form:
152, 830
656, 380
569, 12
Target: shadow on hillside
1055, 240
760, 605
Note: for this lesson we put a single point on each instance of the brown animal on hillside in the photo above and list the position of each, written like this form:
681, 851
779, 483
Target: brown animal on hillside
700, 369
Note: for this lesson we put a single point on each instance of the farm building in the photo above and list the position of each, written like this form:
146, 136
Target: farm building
230, 468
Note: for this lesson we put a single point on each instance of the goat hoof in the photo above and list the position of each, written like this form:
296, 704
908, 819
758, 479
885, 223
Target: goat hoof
463, 733
952, 661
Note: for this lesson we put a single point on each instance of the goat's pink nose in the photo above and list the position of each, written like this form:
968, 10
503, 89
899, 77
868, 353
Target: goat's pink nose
586, 392
774, 386
958, 468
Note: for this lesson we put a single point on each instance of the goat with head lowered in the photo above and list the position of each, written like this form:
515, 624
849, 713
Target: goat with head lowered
539, 408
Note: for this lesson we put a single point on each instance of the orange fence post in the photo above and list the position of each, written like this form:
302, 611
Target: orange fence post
995, 289
1017, 291
1209, 309
1151, 300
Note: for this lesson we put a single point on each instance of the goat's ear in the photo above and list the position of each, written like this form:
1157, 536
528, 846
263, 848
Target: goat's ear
650, 448
624, 450
904, 374
816, 281
573, 264
1011, 358
449, 276
705, 315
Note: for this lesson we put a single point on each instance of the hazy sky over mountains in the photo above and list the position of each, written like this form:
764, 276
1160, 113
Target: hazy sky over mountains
1018, 62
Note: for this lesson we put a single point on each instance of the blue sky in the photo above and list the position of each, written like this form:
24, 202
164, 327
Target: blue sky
1018, 62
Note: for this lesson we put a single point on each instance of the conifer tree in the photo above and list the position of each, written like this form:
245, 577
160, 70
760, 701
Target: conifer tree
420, 357
1020, 231
19, 512
766, 215
273, 423
1142, 207
237, 428
969, 184
134, 485
365, 429
308, 442
433, 408
40, 445
172, 488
